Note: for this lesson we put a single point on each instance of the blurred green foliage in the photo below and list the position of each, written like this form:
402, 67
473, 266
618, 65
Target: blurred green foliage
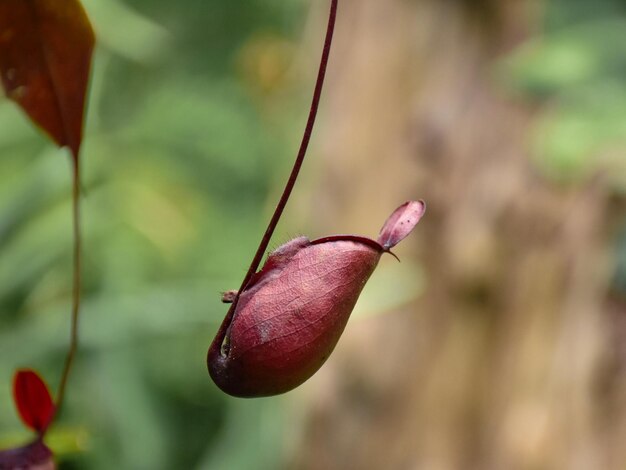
179, 159
576, 69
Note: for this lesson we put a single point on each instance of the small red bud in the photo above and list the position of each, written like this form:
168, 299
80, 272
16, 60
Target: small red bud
291, 314
36, 408
32, 400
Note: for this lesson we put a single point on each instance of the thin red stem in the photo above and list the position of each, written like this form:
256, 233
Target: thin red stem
216, 353
306, 138
76, 287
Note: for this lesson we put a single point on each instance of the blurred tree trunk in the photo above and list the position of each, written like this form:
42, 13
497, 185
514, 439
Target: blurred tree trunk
501, 363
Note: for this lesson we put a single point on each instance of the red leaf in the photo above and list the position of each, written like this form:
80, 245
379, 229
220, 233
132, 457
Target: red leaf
33, 456
33, 400
45, 57
401, 223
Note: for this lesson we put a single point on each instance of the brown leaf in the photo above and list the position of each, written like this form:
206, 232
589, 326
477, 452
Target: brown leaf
45, 58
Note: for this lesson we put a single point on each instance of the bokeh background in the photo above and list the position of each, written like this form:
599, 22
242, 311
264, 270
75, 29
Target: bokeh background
498, 343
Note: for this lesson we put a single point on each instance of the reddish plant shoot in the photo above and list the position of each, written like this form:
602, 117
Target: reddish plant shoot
46, 48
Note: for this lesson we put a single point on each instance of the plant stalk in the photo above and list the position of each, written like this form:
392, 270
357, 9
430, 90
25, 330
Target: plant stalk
76, 284
306, 138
